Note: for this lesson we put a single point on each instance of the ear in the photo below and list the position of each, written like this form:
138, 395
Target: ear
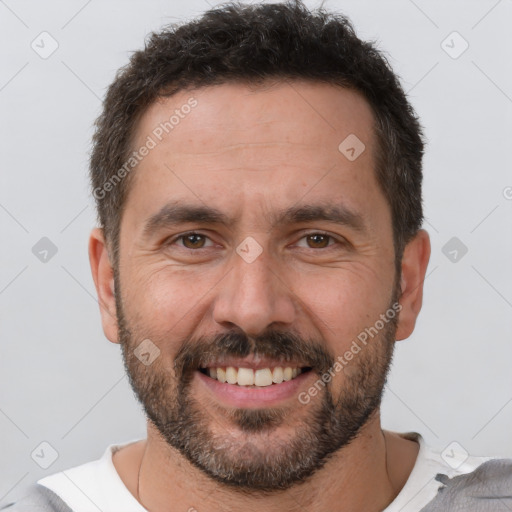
103, 275
414, 266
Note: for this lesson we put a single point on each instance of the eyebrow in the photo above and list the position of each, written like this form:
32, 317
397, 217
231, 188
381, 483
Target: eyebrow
176, 213
336, 213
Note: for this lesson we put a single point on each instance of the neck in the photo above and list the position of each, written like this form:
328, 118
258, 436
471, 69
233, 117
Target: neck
365, 475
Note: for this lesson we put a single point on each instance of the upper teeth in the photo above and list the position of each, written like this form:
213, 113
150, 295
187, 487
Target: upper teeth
250, 377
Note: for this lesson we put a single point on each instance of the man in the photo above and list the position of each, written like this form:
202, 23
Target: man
257, 174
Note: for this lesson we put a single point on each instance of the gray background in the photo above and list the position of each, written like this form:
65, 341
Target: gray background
63, 383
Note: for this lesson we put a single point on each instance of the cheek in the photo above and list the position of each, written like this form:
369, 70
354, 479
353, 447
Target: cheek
342, 302
168, 303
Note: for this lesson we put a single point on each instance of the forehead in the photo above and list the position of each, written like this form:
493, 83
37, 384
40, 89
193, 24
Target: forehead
290, 111
271, 143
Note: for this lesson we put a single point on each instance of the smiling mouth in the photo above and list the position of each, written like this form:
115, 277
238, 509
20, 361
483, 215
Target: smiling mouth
249, 377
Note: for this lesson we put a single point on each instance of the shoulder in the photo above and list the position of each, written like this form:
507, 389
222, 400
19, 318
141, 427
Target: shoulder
483, 489
452, 479
38, 499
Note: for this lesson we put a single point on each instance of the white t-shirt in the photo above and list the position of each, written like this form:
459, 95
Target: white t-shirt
96, 486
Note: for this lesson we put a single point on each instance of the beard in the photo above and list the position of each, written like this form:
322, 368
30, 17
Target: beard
243, 448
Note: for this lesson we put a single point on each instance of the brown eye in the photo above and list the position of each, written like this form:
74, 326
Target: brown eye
318, 240
193, 241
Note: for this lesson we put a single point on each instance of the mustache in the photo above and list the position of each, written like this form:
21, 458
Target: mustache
280, 345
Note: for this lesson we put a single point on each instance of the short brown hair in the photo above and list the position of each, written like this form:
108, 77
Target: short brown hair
253, 43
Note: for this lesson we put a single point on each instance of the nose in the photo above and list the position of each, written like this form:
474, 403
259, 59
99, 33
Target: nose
253, 296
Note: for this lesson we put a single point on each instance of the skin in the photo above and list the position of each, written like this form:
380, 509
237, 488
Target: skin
248, 150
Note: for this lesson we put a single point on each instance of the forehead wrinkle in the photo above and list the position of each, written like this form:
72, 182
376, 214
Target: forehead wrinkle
245, 145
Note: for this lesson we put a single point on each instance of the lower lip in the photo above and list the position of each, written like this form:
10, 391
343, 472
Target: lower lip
254, 397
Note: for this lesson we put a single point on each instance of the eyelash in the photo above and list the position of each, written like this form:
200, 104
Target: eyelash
184, 235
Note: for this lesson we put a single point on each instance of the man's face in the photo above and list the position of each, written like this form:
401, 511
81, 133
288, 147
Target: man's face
254, 288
